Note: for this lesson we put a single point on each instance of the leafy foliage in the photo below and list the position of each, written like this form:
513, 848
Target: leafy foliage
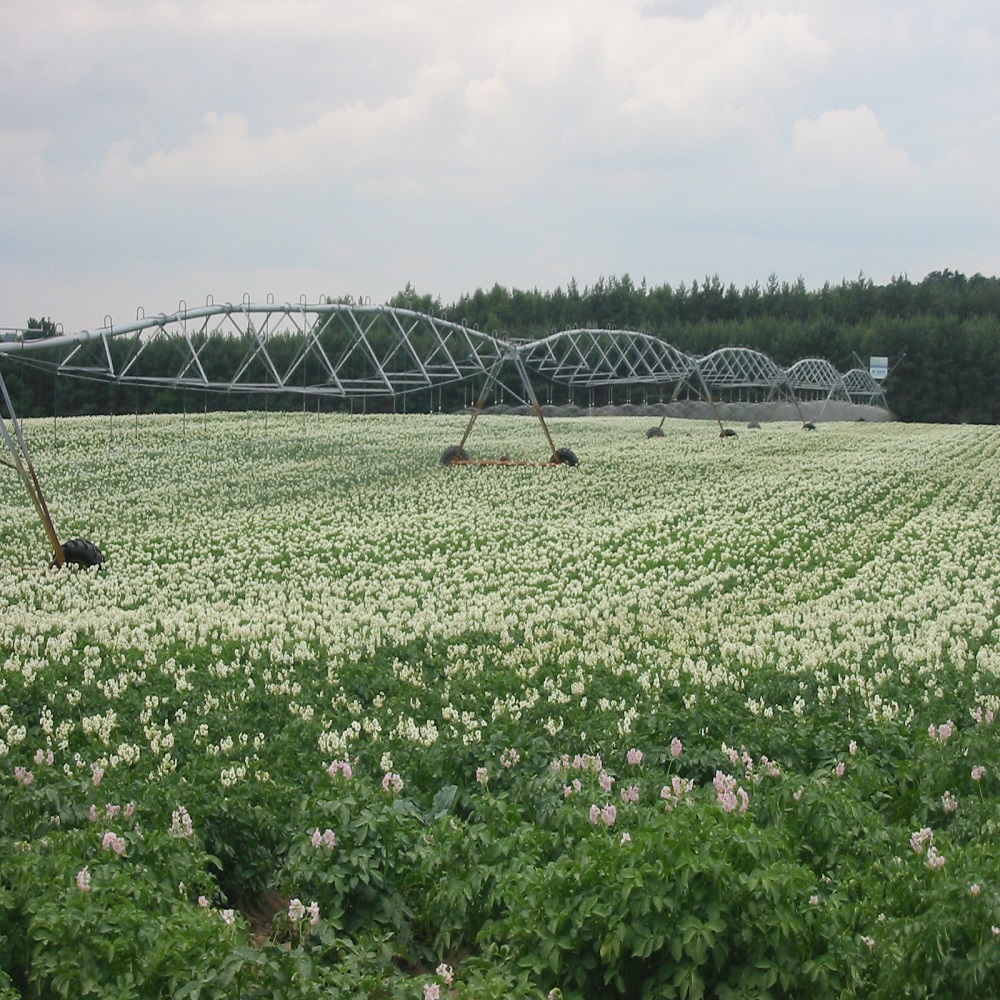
683, 721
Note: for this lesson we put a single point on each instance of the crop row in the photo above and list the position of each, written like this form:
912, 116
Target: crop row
663, 723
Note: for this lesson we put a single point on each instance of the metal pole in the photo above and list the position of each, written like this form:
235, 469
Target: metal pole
26, 470
533, 399
711, 402
491, 376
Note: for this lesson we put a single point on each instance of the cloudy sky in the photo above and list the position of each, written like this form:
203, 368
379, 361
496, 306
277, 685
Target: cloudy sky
153, 152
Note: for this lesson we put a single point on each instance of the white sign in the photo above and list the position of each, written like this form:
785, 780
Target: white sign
878, 368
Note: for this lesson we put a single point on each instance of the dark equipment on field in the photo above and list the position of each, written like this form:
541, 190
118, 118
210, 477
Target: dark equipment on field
457, 455
81, 552
454, 455
77, 551
741, 374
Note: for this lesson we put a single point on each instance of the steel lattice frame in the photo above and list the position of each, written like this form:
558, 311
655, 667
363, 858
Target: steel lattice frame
862, 388
818, 376
731, 368
597, 357
327, 349
345, 349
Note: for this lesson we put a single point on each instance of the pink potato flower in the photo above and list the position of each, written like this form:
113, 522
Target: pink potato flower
327, 839
920, 838
392, 782
83, 879
180, 823
112, 842
934, 859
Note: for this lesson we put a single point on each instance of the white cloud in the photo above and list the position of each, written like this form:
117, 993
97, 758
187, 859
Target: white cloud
848, 146
456, 143
22, 171
712, 91
488, 99
403, 140
695, 66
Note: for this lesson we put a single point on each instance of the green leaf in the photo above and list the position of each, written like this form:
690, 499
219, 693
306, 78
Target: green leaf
443, 801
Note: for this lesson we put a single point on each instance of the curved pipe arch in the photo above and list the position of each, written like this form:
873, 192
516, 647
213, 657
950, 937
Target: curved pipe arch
348, 349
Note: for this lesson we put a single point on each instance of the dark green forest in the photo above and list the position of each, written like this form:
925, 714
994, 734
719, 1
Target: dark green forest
941, 335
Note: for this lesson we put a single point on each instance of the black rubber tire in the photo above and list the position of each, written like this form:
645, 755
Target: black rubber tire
454, 454
81, 552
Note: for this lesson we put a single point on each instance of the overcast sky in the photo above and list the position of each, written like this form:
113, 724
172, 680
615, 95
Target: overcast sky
152, 152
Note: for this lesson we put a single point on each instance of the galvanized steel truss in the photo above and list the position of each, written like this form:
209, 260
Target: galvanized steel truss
595, 357
863, 389
819, 379
346, 349
734, 368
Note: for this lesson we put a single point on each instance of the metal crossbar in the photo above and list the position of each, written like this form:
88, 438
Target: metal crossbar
864, 389
346, 349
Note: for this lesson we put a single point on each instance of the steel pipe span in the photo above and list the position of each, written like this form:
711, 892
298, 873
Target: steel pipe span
347, 349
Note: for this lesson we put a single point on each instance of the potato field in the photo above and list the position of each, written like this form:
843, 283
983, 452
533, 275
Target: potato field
700, 717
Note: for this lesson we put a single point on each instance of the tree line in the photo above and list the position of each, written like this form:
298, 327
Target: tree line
941, 335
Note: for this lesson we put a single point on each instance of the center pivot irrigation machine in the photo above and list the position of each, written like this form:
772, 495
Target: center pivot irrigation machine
351, 350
